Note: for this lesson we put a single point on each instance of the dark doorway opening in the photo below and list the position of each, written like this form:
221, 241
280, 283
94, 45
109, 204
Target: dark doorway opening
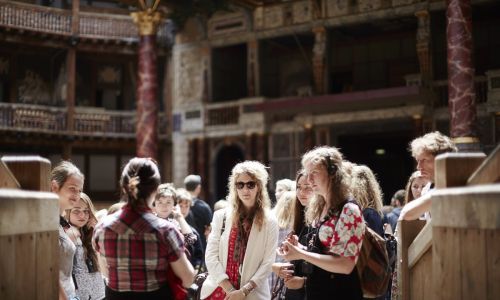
385, 153
226, 159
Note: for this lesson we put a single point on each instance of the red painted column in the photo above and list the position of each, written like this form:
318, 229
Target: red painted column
147, 85
462, 97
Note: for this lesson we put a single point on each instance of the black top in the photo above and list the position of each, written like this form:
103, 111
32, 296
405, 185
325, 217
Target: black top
322, 284
202, 216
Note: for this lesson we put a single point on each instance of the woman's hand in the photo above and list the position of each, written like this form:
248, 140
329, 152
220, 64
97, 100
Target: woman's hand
289, 251
283, 270
235, 295
176, 213
294, 283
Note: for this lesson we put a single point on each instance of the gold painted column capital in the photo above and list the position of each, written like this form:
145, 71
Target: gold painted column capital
147, 21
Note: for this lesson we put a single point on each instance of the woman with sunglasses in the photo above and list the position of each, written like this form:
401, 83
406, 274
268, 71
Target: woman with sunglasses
240, 247
333, 249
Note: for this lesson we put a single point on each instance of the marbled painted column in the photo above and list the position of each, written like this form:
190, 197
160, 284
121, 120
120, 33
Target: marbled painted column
253, 68
461, 74
424, 45
319, 59
147, 85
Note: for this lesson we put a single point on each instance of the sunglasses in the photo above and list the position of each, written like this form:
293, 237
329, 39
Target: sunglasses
250, 185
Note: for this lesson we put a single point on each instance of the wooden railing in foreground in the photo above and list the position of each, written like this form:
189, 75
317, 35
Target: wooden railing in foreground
29, 250
457, 254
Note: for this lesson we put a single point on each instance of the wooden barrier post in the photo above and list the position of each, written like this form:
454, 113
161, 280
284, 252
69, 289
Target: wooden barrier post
407, 231
466, 242
29, 249
32, 172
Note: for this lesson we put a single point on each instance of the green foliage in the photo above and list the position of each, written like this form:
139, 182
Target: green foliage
181, 10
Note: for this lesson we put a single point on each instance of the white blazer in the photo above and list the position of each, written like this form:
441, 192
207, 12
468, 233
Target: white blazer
259, 255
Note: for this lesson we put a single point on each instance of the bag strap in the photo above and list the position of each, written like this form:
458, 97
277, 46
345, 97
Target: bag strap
223, 224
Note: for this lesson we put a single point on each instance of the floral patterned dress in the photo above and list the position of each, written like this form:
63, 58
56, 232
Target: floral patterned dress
338, 234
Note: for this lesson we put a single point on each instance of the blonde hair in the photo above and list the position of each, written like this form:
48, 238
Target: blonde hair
184, 195
287, 184
257, 172
434, 143
284, 209
331, 159
366, 189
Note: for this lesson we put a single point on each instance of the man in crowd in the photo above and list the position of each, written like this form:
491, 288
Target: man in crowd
201, 211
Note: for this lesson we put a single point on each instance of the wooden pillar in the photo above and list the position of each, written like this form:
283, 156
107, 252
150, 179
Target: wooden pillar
202, 167
319, 59
13, 78
192, 156
207, 87
147, 84
253, 68
308, 137
462, 96
262, 148
71, 68
424, 50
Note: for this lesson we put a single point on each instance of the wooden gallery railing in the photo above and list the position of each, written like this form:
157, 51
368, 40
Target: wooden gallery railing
29, 219
457, 254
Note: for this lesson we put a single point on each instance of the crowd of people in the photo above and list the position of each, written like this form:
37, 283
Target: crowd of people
152, 243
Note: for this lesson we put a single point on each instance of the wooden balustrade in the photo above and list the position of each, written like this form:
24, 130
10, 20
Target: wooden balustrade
107, 26
34, 17
455, 256
29, 247
223, 115
22, 16
88, 121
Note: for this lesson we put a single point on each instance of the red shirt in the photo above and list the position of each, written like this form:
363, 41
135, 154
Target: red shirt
138, 247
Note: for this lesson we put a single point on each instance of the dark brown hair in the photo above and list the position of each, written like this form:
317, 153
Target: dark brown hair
140, 178
299, 211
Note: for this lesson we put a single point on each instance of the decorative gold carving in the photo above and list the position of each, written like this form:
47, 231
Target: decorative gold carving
110, 75
146, 21
465, 140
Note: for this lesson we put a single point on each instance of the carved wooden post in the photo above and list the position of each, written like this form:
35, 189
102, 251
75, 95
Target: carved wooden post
253, 68
462, 97
319, 59
147, 86
424, 45
71, 68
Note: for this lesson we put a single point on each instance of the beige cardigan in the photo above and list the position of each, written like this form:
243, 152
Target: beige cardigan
259, 255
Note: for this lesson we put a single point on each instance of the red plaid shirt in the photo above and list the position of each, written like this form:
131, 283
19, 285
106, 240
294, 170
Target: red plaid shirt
138, 247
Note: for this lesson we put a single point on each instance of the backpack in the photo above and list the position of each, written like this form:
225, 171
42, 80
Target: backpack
373, 266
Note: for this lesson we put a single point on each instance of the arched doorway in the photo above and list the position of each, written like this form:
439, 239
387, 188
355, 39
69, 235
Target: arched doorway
226, 159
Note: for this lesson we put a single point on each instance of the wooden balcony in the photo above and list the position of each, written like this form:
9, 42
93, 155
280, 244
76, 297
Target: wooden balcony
88, 122
54, 21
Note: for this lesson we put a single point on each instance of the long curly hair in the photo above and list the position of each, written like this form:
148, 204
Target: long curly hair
257, 172
366, 189
331, 160
87, 231
284, 209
